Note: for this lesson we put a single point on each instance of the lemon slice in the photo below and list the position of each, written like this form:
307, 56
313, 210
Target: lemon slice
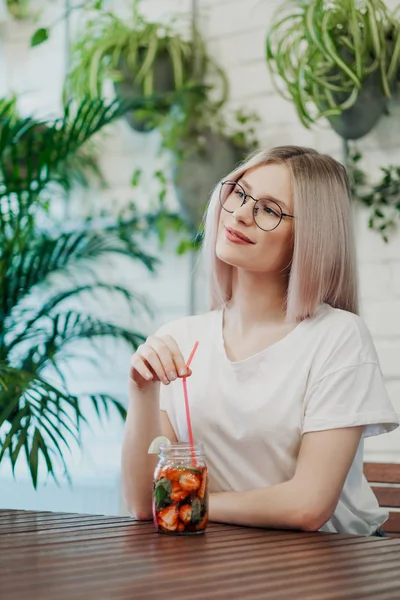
154, 447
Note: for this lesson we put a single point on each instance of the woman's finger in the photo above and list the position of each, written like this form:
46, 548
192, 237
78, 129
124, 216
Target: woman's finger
152, 360
140, 368
177, 356
165, 356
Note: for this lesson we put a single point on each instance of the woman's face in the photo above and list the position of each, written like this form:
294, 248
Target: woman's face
265, 251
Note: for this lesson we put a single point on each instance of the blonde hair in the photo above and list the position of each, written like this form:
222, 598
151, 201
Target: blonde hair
323, 267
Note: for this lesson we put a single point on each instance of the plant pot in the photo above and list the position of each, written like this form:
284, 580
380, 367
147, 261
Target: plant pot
357, 121
129, 89
202, 167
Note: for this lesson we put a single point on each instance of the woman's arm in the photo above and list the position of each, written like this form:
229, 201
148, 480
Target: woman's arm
305, 502
144, 422
158, 360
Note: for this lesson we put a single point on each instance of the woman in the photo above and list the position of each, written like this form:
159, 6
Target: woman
286, 381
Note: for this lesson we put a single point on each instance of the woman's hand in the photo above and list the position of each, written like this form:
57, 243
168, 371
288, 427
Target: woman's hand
158, 359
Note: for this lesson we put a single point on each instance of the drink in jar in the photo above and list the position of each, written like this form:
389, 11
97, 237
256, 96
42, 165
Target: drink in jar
180, 490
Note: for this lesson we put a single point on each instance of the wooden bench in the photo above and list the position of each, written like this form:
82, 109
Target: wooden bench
385, 482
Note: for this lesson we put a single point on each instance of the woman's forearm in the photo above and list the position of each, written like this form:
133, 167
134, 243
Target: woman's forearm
142, 426
282, 506
309, 499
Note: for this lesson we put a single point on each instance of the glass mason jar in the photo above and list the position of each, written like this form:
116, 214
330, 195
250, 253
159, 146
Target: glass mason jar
180, 490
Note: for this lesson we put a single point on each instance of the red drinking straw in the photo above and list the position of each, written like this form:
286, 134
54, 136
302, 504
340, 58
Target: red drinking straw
185, 393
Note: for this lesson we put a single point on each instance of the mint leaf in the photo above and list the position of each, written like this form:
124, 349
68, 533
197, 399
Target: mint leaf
40, 36
165, 483
162, 493
196, 512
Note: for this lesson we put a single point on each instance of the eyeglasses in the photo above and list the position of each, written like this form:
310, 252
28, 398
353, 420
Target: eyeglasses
267, 213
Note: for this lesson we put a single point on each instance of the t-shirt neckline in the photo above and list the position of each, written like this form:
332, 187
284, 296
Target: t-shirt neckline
276, 346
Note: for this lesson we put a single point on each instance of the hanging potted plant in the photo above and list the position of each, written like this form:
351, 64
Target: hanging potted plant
142, 58
204, 148
337, 59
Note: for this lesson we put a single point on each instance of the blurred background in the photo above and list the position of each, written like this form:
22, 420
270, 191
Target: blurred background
117, 118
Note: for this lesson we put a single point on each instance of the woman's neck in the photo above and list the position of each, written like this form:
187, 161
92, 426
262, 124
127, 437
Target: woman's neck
257, 299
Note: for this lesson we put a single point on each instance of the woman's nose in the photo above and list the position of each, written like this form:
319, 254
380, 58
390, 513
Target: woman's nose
244, 213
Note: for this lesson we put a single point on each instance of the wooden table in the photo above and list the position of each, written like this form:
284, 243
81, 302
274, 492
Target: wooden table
53, 556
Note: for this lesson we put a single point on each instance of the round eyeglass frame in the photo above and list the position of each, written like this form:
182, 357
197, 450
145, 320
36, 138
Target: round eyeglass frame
255, 200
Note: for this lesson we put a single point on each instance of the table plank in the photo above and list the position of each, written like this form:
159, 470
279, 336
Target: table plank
229, 560
104, 558
267, 573
59, 524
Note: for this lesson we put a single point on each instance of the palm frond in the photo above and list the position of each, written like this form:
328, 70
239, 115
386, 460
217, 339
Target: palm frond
35, 417
32, 153
41, 420
31, 329
70, 254
81, 169
72, 326
103, 401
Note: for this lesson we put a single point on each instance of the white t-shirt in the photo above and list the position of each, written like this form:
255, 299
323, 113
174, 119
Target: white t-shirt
251, 414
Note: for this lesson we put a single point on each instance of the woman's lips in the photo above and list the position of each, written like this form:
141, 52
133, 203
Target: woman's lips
236, 237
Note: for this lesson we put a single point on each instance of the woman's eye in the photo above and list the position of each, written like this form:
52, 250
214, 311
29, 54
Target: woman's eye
270, 211
239, 194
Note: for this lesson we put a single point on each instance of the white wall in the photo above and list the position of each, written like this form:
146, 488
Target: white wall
235, 32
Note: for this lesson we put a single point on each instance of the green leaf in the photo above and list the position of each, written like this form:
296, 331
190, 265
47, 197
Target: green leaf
105, 399
136, 177
160, 175
10, 407
21, 440
185, 246
196, 512
96, 406
162, 493
34, 459
40, 36
44, 451
16, 428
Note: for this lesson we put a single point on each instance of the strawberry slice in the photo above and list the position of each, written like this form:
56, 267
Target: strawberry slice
178, 493
189, 481
168, 517
185, 513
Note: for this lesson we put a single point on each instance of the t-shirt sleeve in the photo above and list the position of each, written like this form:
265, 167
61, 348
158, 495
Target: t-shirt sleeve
348, 390
350, 397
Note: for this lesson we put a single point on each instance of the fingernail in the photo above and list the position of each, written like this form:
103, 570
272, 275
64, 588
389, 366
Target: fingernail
148, 376
172, 376
166, 381
183, 372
